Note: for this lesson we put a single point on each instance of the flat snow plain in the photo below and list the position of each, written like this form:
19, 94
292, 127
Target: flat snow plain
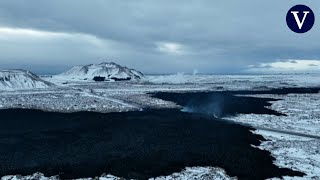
291, 151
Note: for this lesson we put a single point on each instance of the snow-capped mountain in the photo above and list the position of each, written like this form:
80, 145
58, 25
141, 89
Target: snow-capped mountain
109, 71
21, 79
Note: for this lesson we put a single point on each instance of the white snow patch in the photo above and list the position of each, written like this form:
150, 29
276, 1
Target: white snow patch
201, 173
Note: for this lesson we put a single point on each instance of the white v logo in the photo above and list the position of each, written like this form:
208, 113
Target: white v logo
299, 23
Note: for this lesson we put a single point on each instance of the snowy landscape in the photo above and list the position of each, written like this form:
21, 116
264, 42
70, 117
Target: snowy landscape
293, 140
159, 90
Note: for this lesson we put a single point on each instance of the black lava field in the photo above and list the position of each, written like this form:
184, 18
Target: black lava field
139, 144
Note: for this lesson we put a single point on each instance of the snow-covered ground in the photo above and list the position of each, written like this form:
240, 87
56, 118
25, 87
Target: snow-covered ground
70, 96
303, 110
294, 152
203, 173
240, 82
303, 117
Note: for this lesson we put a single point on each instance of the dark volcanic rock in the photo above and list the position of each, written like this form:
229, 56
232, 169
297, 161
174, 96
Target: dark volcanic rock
220, 104
132, 144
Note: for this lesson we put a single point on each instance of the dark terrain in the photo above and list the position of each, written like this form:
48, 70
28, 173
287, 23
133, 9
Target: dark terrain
229, 103
140, 144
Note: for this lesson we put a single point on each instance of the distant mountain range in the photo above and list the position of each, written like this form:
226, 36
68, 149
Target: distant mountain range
22, 79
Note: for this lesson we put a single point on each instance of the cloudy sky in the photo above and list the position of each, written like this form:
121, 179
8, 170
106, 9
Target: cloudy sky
156, 36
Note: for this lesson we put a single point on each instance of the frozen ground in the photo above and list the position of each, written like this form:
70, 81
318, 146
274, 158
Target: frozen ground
298, 153
71, 96
204, 173
303, 117
303, 110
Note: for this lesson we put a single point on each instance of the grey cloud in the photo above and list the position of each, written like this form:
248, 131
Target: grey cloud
220, 36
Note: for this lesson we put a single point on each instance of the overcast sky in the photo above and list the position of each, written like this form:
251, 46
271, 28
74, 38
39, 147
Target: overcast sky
210, 36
